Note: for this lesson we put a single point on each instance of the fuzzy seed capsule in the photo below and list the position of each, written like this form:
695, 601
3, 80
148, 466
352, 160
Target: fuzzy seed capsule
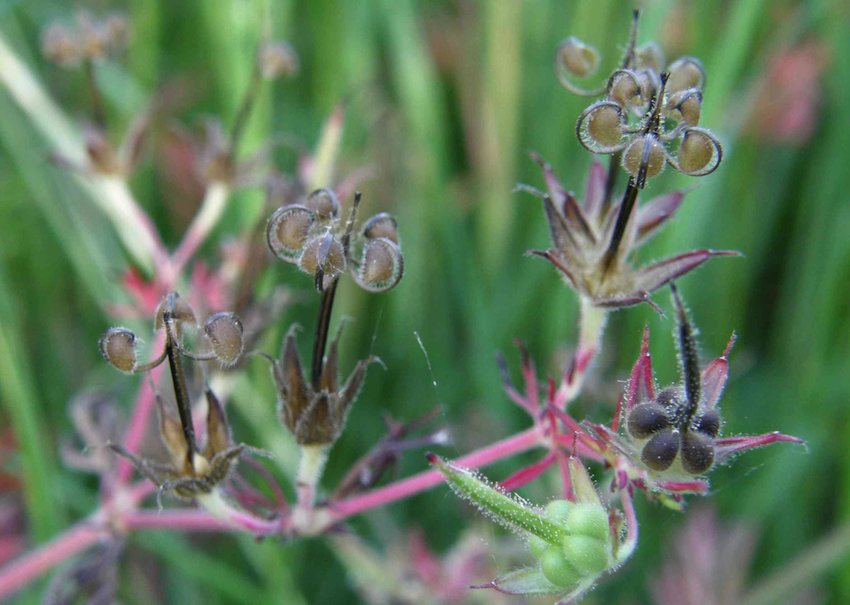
324, 203
660, 451
668, 398
323, 252
383, 225
178, 309
287, 231
650, 56
644, 150
577, 57
685, 72
697, 452
699, 152
381, 266
586, 519
686, 105
118, 347
649, 84
624, 87
646, 419
225, 333
588, 555
600, 127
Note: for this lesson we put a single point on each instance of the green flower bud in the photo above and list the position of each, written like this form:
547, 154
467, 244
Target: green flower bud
586, 519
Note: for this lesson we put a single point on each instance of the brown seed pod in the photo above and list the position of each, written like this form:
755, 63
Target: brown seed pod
287, 231
650, 56
118, 347
224, 330
624, 88
324, 203
600, 127
686, 105
644, 149
708, 423
577, 58
699, 152
179, 310
685, 72
383, 225
381, 266
323, 252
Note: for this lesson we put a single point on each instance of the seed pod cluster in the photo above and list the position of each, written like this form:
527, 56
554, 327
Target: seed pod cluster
650, 113
89, 39
310, 235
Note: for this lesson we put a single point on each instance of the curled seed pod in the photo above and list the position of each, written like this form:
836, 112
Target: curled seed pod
660, 451
381, 266
697, 452
649, 84
708, 423
277, 58
382, 224
224, 330
650, 56
324, 203
118, 347
685, 105
646, 419
600, 127
669, 398
556, 568
287, 231
59, 46
685, 72
624, 88
699, 152
180, 310
577, 58
644, 150
323, 252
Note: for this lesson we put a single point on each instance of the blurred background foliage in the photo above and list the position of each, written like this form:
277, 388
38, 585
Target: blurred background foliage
443, 101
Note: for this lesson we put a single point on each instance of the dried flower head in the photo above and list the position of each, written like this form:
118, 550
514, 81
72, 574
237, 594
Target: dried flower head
315, 411
593, 242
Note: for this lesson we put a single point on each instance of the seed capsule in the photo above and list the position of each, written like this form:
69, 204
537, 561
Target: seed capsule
287, 231
647, 419
660, 451
225, 333
118, 347
642, 150
699, 152
381, 265
557, 569
323, 252
650, 56
686, 105
685, 72
600, 127
382, 224
588, 555
324, 203
178, 309
697, 452
577, 57
624, 87
669, 398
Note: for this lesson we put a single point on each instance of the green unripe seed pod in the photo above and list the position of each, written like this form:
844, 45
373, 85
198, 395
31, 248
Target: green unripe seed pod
588, 555
557, 569
588, 520
559, 510
538, 545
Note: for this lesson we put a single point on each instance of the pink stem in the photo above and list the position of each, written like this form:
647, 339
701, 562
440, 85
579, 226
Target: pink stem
138, 421
418, 483
631, 520
199, 520
20, 572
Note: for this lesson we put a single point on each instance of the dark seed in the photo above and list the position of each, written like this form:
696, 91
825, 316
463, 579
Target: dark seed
669, 398
660, 451
709, 423
646, 419
697, 453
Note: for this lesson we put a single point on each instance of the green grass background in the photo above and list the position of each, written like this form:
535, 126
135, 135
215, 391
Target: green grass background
444, 100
